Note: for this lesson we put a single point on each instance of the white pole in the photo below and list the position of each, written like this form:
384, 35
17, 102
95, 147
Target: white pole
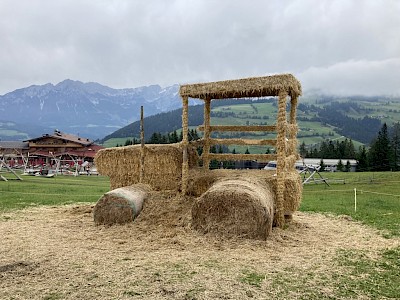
355, 200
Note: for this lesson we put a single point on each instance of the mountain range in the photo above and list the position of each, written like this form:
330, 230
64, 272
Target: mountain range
98, 112
88, 109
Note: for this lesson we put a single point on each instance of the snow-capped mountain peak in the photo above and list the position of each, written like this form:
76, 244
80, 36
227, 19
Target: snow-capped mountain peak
73, 105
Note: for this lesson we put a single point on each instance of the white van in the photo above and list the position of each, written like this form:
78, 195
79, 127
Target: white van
271, 165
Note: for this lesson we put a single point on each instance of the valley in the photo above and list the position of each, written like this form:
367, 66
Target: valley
357, 119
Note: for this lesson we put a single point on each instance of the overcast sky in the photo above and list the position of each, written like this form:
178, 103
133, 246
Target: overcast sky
342, 47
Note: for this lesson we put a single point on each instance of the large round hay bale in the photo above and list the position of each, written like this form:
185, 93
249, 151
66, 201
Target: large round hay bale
120, 206
235, 207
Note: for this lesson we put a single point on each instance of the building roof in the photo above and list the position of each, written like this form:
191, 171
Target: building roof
64, 136
14, 145
327, 161
85, 152
243, 88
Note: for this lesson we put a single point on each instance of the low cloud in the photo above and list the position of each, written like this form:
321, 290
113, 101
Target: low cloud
339, 46
378, 77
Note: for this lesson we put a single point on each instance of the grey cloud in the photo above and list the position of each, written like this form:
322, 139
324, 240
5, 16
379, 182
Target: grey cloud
132, 43
362, 77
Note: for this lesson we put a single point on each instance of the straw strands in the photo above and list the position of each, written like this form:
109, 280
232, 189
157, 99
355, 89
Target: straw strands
58, 253
247, 87
293, 190
200, 182
162, 165
235, 207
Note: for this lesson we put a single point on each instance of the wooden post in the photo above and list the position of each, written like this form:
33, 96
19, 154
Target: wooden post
293, 110
2, 162
355, 200
185, 143
206, 147
141, 174
293, 129
281, 153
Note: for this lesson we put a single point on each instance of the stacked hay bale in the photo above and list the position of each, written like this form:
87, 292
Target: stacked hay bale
121, 205
235, 207
162, 165
292, 193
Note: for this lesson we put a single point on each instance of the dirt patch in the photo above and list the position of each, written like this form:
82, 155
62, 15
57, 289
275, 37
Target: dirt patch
58, 253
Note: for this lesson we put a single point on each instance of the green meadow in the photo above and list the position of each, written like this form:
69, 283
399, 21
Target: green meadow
58, 190
372, 198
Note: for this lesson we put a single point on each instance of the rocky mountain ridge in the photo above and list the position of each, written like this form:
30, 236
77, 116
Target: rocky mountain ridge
87, 109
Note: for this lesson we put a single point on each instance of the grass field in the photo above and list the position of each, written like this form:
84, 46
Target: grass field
378, 195
329, 256
377, 201
59, 190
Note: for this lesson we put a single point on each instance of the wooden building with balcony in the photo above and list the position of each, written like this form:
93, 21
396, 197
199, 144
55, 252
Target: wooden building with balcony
63, 145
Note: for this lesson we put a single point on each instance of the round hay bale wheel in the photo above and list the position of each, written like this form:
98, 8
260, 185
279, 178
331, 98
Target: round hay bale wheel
235, 207
120, 206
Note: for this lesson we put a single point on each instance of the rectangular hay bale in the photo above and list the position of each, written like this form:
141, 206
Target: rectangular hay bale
162, 165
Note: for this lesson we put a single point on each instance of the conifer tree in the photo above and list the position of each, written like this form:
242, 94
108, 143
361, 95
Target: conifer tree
347, 167
340, 165
213, 163
302, 150
379, 154
395, 145
322, 166
362, 159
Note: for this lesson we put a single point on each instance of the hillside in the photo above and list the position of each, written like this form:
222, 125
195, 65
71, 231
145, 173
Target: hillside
321, 118
169, 121
12, 131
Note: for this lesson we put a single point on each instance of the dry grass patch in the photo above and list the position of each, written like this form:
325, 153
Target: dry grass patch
58, 253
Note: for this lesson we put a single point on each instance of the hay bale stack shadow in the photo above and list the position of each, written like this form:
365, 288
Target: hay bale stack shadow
235, 207
121, 205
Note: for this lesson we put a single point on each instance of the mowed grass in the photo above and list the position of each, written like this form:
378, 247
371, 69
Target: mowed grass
377, 198
59, 190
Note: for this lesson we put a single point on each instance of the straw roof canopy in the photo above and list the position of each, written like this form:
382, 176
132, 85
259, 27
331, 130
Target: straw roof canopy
244, 88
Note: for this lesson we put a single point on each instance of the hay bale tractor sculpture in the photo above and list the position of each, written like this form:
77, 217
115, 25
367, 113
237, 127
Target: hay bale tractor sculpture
233, 202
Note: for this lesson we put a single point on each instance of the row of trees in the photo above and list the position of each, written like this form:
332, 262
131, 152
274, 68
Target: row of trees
169, 138
330, 149
382, 155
